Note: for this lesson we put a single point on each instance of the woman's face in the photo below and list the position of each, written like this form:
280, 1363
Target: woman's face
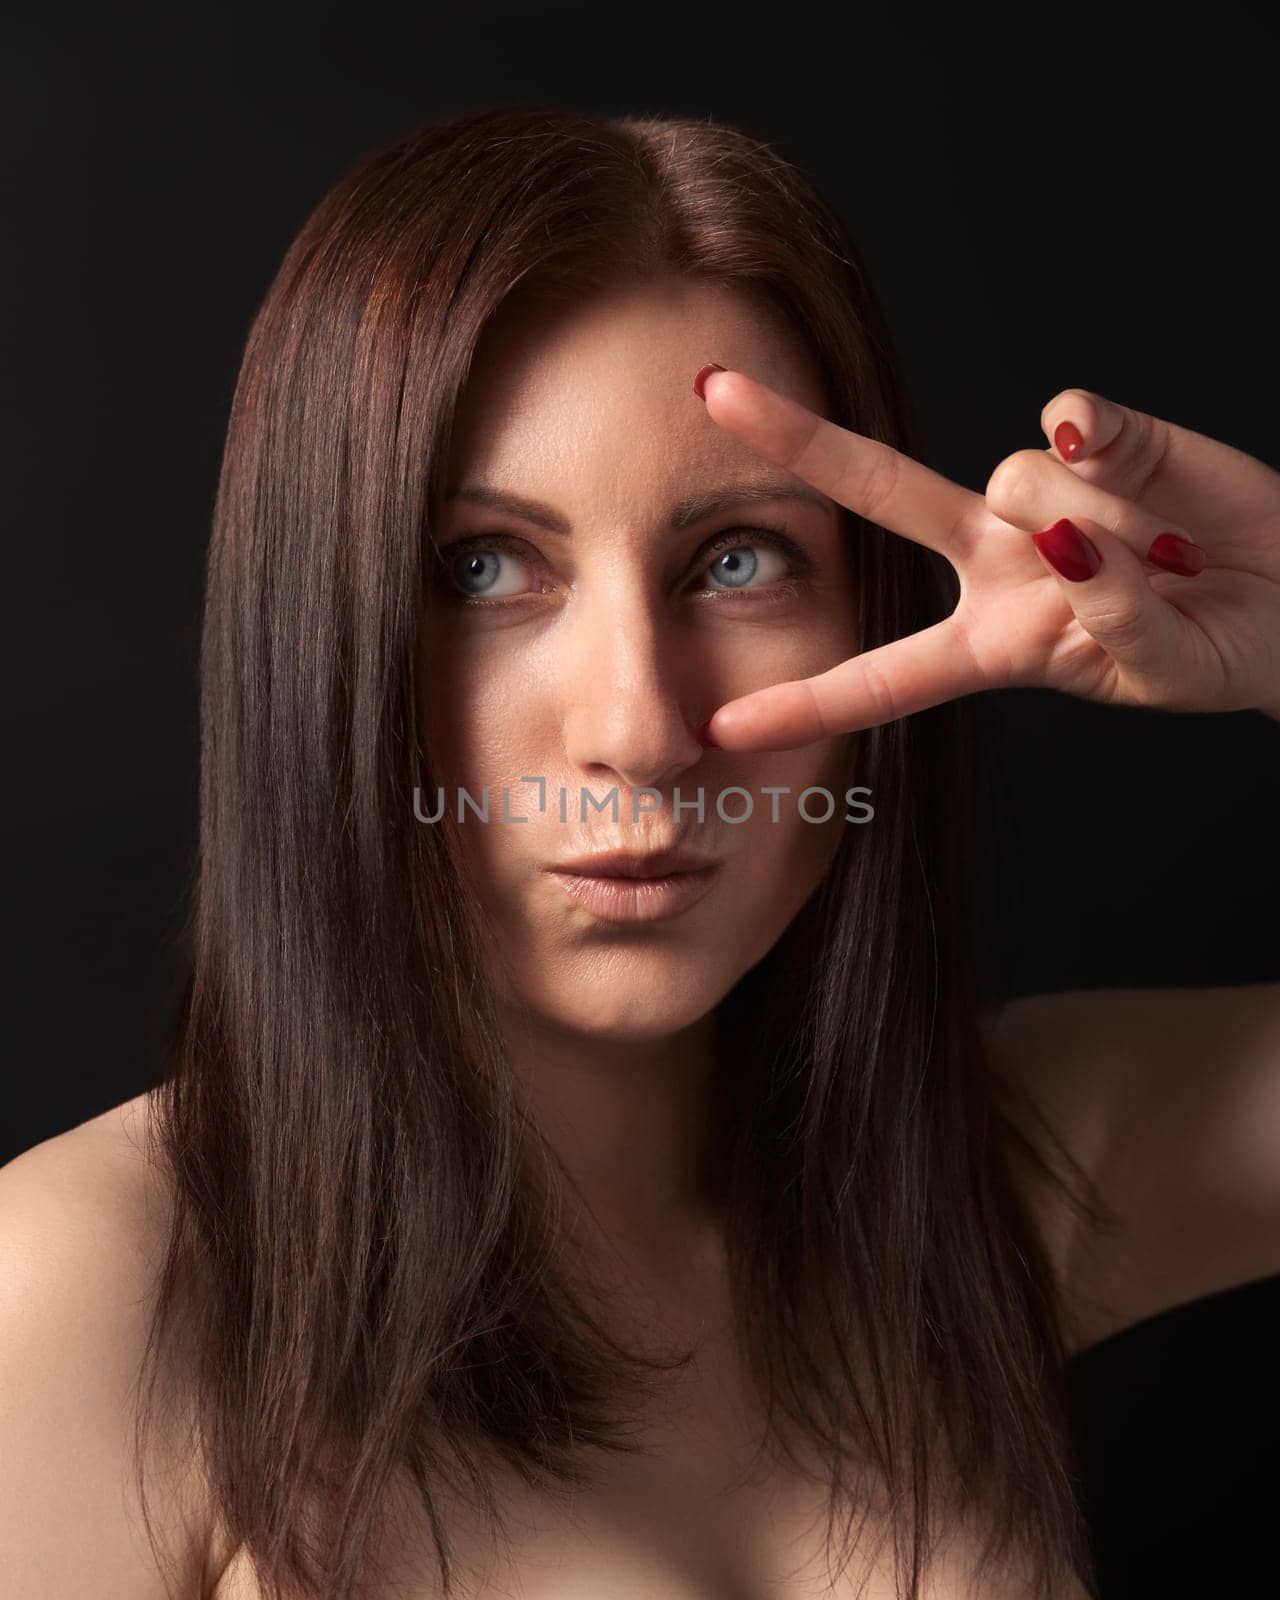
586, 655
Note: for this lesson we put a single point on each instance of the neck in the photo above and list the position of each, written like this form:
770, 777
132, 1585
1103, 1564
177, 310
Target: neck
630, 1122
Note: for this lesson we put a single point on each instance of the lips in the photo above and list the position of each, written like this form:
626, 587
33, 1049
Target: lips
634, 864
627, 898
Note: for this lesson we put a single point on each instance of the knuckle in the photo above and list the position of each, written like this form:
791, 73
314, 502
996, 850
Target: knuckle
879, 691
992, 659
1014, 479
1086, 395
808, 442
879, 479
1119, 620
1148, 441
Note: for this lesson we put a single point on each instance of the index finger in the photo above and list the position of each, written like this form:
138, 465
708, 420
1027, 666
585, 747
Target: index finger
893, 680
865, 475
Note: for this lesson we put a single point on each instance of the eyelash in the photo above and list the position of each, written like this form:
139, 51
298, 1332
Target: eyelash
737, 539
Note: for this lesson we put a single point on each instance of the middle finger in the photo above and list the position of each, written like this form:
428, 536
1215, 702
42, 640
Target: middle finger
864, 475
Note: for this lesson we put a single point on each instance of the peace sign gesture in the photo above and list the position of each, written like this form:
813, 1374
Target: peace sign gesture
1135, 562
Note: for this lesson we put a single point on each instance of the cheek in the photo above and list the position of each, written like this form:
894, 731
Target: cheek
776, 866
782, 860
823, 771
478, 724
471, 715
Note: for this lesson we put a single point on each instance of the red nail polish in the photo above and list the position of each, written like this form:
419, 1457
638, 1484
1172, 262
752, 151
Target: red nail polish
704, 738
1176, 554
1067, 551
1067, 440
700, 377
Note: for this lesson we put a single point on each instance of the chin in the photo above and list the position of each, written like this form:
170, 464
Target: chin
630, 999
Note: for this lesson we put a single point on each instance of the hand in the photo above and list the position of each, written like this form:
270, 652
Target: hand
1116, 627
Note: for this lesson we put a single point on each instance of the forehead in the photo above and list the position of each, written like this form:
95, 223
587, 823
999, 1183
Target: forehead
591, 403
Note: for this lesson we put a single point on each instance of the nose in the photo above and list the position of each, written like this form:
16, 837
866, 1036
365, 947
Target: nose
628, 712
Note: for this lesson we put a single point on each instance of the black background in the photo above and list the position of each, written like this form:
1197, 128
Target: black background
1090, 207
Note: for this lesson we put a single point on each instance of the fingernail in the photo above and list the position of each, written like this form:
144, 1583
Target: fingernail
704, 738
1067, 551
1176, 554
1067, 440
700, 378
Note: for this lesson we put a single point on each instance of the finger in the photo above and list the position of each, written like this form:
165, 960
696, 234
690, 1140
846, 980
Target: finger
1172, 469
1111, 596
863, 474
892, 681
1082, 425
1032, 490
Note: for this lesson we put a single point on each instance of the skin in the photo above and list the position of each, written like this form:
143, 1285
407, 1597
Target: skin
592, 664
1130, 634
1187, 1159
601, 679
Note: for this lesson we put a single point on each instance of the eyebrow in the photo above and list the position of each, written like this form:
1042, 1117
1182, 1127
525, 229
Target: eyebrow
684, 514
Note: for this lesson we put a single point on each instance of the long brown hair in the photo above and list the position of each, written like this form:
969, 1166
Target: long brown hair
365, 1282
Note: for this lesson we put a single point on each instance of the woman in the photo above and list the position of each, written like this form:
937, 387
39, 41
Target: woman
514, 1229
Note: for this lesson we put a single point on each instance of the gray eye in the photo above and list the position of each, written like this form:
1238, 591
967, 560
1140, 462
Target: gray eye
477, 573
734, 569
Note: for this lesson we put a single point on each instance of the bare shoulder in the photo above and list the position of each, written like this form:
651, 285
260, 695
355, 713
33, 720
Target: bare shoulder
1169, 1099
83, 1223
1122, 1070
102, 1160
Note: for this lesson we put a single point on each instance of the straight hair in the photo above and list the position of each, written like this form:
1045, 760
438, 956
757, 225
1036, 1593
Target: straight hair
359, 1274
